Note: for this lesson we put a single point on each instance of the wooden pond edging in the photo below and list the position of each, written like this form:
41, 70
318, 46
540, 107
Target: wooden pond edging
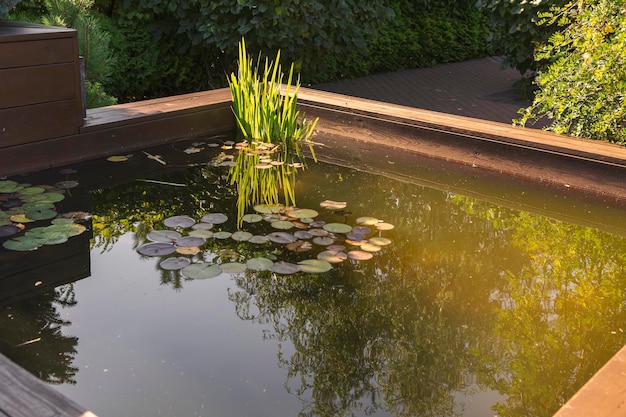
24, 395
352, 132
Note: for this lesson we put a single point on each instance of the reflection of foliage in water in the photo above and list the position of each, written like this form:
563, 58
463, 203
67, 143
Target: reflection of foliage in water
559, 318
407, 330
38, 343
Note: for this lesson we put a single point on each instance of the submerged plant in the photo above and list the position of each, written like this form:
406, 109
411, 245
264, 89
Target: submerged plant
272, 131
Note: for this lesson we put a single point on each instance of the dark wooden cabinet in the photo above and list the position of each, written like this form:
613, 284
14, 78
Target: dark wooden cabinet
40, 87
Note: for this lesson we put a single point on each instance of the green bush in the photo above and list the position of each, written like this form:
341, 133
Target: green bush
582, 91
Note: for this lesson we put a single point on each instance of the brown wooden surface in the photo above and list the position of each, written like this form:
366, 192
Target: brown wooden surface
37, 84
20, 125
11, 31
23, 395
604, 395
36, 52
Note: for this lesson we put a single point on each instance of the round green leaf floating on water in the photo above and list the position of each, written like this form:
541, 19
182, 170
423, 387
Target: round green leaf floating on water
174, 264
367, 221
167, 236
215, 218
37, 206
233, 267
281, 237
252, 218
41, 214
241, 236
337, 227
284, 268
259, 264
190, 242
206, 234
222, 235
303, 213
332, 256
333, 205
258, 239
8, 186
9, 230
384, 226
315, 266
156, 249
360, 255
370, 247
45, 197
32, 190
282, 225
380, 241
201, 270
70, 229
202, 226
267, 208
182, 222
22, 244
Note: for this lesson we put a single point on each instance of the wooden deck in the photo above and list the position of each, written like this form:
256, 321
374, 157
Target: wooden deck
23, 395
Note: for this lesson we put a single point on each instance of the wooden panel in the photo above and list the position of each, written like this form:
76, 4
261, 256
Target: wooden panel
23, 395
21, 125
28, 53
33, 85
12, 31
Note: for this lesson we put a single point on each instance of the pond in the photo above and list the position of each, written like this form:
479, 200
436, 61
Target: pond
466, 308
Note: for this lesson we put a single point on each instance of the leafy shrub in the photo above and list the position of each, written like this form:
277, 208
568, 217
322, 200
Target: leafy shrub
582, 90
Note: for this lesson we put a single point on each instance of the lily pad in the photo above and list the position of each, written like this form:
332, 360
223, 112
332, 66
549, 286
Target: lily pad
37, 206
362, 230
45, 197
190, 241
156, 249
201, 233
201, 270
314, 266
222, 235
233, 267
318, 232
380, 241
182, 222
174, 264
241, 236
337, 227
187, 250
258, 239
10, 230
284, 268
66, 185
384, 226
21, 218
32, 190
282, 225
323, 240
303, 234
370, 247
22, 244
215, 218
281, 237
252, 218
8, 186
168, 236
332, 256
70, 229
259, 264
202, 226
360, 255
41, 214
355, 237
303, 213
367, 221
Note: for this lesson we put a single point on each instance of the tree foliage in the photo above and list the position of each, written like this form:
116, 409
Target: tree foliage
582, 90
515, 32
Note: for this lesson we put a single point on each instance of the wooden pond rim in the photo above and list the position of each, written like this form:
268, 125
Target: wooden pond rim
353, 132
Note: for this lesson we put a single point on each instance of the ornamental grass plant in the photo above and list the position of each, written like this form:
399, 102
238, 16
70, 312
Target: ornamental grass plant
272, 132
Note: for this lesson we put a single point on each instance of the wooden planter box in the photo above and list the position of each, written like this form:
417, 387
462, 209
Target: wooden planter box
40, 88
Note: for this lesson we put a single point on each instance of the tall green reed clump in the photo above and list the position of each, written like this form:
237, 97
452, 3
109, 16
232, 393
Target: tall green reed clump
272, 130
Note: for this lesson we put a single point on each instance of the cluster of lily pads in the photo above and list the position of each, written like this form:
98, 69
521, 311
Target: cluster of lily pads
333, 242
23, 204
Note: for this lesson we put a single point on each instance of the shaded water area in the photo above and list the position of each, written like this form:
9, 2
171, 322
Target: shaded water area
473, 309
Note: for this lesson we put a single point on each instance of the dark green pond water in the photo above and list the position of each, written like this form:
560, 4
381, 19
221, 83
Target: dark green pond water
474, 309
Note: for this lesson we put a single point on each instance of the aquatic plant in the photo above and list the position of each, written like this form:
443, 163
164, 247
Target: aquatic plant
272, 130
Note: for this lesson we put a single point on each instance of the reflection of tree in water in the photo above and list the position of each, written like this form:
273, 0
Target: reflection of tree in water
570, 293
32, 336
398, 332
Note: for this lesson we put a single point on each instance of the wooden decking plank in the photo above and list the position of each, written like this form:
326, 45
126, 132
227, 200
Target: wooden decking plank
23, 395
